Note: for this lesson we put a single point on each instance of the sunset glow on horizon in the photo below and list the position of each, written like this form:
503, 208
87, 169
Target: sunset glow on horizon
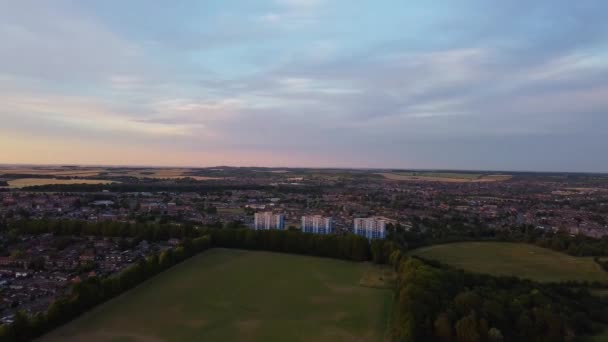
475, 85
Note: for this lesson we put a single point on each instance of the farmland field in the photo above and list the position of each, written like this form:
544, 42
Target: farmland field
51, 171
451, 177
23, 182
164, 173
515, 259
235, 295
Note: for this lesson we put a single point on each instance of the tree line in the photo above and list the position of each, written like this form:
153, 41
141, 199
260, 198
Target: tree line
93, 291
435, 303
347, 247
146, 231
578, 245
426, 232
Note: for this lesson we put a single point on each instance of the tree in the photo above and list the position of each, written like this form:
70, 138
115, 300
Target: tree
21, 327
7, 333
36, 263
494, 335
443, 328
18, 253
395, 258
467, 329
494, 311
525, 326
466, 302
165, 260
377, 250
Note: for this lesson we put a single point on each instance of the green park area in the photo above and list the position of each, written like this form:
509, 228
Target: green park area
515, 259
236, 295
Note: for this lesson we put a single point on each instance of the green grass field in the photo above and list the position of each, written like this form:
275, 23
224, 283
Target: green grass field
514, 259
235, 295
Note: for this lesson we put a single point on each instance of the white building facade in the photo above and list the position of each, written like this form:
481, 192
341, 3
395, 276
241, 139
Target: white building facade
268, 220
317, 224
370, 227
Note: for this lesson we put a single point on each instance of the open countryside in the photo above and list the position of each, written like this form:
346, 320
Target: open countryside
236, 295
450, 177
25, 182
515, 259
86, 171
75, 171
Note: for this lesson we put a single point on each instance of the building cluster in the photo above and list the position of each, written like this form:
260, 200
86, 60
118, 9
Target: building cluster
552, 205
370, 228
35, 270
317, 224
268, 220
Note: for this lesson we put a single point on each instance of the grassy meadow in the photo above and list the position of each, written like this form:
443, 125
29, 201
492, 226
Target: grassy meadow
515, 259
235, 295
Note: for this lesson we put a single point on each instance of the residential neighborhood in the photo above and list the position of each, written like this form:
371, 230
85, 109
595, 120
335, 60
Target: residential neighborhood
36, 269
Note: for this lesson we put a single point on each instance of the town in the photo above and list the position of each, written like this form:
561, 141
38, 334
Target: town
36, 269
578, 207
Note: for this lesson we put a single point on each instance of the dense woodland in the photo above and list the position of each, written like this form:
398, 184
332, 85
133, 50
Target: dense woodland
433, 302
438, 304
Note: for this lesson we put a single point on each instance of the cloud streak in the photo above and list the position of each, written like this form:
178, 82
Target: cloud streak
320, 83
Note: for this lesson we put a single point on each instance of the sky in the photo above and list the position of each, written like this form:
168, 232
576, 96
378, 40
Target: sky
468, 84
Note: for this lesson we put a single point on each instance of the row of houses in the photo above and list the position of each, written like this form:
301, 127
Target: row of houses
369, 227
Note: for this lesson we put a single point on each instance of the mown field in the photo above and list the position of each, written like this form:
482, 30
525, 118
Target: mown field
235, 295
23, 182
515, 259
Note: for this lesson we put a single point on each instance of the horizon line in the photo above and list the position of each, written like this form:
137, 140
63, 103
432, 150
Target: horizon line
293, 167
